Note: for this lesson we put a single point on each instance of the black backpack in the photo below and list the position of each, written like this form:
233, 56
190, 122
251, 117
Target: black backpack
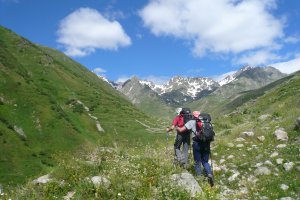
207, 133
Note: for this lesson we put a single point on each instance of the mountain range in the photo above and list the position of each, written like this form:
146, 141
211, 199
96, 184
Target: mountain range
186, 91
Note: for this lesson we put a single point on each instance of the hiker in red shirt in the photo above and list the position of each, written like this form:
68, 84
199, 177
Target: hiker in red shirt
182, 138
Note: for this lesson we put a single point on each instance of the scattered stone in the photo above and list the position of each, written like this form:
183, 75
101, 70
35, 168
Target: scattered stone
230, 157
240, 139
281, 135
284, 187
99, 180
20, 131
99, 128
286, 198
288, 166
69, 195
239, 145
188, 182
233, 177
261, 138
274, 154
280, 146
264, 117
258, 164
298, 168
230, 145
279, 161
267, 162
43, 179
248, 133
222, 161
262, 171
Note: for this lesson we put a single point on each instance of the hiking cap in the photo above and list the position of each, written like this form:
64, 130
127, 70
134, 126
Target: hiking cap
178, 110
196, 114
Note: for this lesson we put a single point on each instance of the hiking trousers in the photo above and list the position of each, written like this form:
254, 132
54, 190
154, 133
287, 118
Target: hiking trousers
184, 140
201, 152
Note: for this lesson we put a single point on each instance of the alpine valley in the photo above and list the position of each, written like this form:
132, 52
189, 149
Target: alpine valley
67, 134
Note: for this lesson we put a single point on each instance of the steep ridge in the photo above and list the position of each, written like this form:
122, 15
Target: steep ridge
51, 104
141, 95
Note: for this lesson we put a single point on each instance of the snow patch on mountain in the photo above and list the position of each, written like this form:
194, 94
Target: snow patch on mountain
233, 75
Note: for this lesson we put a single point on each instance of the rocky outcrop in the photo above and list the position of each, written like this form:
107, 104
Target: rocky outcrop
187, 181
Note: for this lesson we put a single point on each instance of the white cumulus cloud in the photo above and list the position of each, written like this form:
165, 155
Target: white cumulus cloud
256, 58
85, 30
219, 26
288, 66
99, 71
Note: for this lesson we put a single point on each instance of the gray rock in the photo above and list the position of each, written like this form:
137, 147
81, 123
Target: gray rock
262, 171
264, 117
248, 133
281, 135
69, 195
286, 198
280, 146
261, 138
284, 187
230, 145
298, 168
99, 128
43, 179
233, 177
240, 139
274, 154
239, 145
99, 180
20, 131
288, 166
279, 161
188, 182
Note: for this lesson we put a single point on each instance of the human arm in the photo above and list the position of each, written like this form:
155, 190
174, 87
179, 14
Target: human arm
170, 128
181, 129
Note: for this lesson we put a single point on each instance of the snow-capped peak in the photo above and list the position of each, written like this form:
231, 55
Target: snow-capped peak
233, 75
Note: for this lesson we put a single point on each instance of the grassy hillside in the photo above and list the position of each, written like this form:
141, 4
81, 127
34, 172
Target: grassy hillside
277, 107
51, 104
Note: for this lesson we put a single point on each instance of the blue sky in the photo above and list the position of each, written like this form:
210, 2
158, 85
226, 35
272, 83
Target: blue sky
158, 39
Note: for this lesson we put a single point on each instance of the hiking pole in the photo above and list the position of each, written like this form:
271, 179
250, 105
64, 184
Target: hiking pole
167, 139
211, 163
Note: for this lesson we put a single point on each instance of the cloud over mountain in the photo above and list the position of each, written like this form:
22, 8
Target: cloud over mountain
85, 30
220, 26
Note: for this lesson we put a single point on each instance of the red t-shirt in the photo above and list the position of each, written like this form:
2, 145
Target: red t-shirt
178, 121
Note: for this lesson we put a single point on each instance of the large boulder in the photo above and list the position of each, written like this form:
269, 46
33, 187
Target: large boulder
281, 135
187, 181
99, 180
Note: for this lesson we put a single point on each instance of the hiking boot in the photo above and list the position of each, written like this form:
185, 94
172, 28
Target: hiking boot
210, 180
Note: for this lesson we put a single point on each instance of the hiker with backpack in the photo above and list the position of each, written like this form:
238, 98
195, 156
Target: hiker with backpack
203, 134
182, 138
